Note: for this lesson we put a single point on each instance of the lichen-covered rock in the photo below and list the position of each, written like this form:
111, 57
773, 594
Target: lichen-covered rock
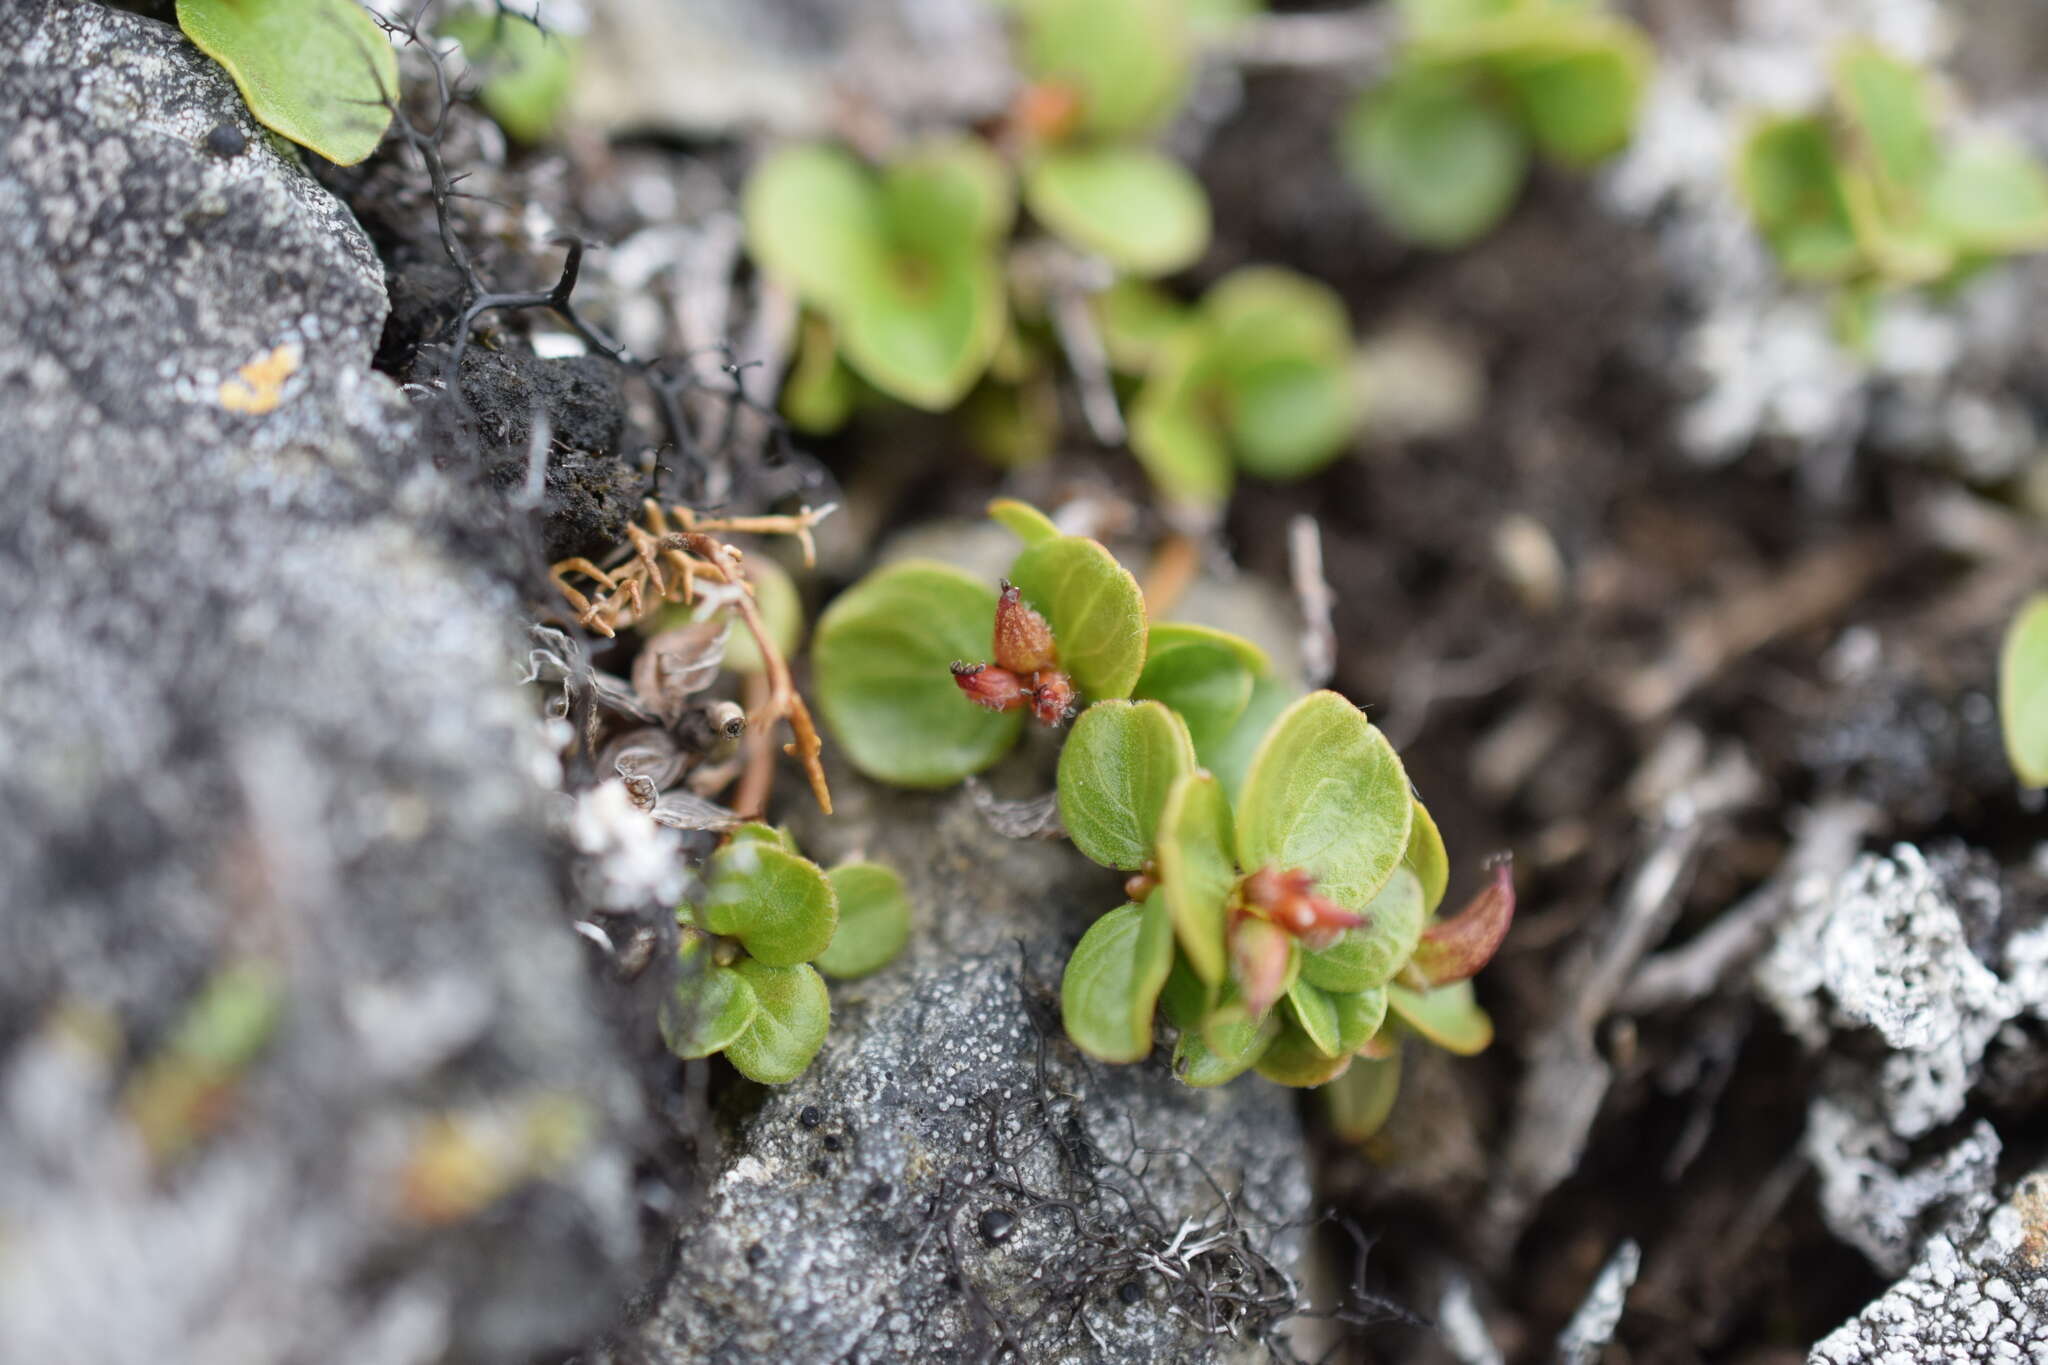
296, 1054
950, 1175
1886, 1205
1981, 1298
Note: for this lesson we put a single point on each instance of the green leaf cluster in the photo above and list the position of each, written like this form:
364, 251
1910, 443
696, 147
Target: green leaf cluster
767, 922
901, 264
1869, 194
881, 661
319, 72
1480, 89
1256, 378
1114, 71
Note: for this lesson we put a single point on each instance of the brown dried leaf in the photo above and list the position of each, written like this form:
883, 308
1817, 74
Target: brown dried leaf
677, 664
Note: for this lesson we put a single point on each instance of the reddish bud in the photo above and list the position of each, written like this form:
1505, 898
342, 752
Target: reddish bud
1052, 697
1455, 949
1024, 641
1288, 900
1047, 111
1259, 954
996, 688
1141, 884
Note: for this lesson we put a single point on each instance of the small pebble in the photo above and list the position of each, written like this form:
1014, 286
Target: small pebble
226, 140
821, 1167
833, 1142
1130, 1291
810, 1116
995, 1225
879, 1192
756, 1254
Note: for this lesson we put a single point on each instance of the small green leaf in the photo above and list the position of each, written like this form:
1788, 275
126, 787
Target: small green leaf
1212, 1056
526, 71
946, 196
922, 328
1294, 1059
779, 905
1115, 771
1369, 956
1887, 104
1359, 1016
818, 396
1023, 521
1095, 609
1434, 18
1205, 682
1136, 318
1290, 417
1169, 635
788, 1028
1440, 163
755, 832
319, 72
1186, 998
1579, 87
814, 218
1789, 177
1198, 871
1127, 60
1448, 1016
1326, 795
1139, 209
881, 664
874, 920
1113, 980
1990, 196
1261, 313
709, 1008
1425, 857
1315, 1015
1361, 1099
2023, 691
1173, 430
1230, 758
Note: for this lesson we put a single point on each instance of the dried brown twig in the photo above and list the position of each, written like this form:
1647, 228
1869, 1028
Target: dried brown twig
681, 541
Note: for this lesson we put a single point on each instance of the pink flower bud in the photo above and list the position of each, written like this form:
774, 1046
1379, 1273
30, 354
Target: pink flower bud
1259, 953
1023, 641
1052, 697
996, 688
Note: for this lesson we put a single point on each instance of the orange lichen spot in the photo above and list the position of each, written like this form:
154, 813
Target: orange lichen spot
259, 385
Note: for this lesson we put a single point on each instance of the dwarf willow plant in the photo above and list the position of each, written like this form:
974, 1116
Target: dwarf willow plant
767, 922
1257, 378
899, 265
2023, 691
1482, 87
1282, 879
1869, 195
320, 72
1105, 76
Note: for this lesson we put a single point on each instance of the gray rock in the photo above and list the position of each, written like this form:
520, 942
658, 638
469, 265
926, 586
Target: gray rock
950, 1175
1877, 1199
262, 745
1980, 1298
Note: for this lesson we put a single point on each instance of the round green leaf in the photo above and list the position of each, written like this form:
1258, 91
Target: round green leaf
1788, 176
1206, 684
1425, 857
1113, 980
1176, 439
1212, 1056
1139, 209
1023, 521
1326, 795
947, 196
1315, 1014
788, 1028
922, 328
2023, 691
1115, 771
818, 396
526, 71
1888, 107
1198, 871
1186, 998
1230, 758
1359, 1016
1289, 417
319, 72
1361, 1099
1169, 635
709, 1008
1579, 87
1127, 60
1990, 196
1448, 1016
1369, 956
1440, 163
755, 832
1095, 609
1261, 313
1294, 1059
1136, 318
814, 218
874, 920
881, 668
779, 905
